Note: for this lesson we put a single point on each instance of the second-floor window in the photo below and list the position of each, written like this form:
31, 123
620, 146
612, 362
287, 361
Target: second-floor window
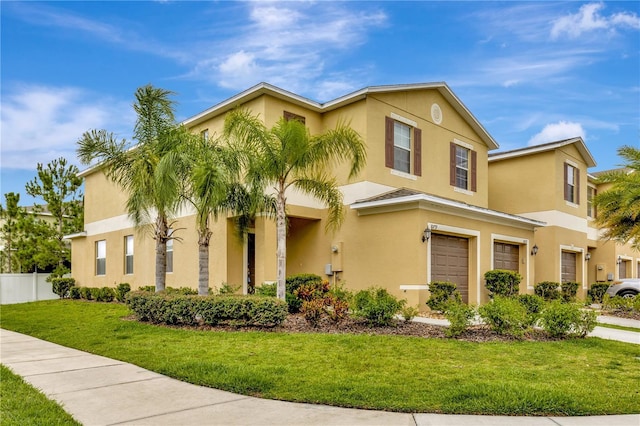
463, 162
128, 254
403, 147
591, 208
571, 184
101, 257
291, 116
205, 134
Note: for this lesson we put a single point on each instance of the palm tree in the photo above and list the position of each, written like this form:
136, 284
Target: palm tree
619, 206
136, 169
287, 156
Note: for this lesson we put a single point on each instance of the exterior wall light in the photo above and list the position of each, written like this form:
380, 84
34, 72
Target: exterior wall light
587, 257
534, 250
426, 234
619, 261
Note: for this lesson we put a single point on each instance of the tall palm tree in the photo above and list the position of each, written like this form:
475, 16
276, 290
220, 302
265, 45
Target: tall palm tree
619, 206
136, 169
288, 156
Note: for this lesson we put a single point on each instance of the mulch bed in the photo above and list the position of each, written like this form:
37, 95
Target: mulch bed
296, 323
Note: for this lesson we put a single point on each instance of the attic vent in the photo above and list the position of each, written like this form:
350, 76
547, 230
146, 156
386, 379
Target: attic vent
436, 113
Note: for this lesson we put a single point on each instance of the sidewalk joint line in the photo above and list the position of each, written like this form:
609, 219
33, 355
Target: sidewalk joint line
68, 371
178, 411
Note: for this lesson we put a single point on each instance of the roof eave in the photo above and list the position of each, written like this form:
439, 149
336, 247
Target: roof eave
466, 210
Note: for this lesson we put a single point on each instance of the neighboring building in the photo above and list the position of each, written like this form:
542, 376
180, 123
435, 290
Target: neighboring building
430, 205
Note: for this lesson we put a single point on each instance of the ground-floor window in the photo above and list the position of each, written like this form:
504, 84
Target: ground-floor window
101, 257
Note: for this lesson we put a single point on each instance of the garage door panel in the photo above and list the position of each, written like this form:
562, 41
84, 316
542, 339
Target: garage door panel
450, 262
506, 256
568, 266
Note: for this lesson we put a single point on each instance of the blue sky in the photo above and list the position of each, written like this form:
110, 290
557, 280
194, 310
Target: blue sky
531, 72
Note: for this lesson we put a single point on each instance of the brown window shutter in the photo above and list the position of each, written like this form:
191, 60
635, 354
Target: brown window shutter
566, 182
452, 163
417, 152
577, 178
388, 142
474, 164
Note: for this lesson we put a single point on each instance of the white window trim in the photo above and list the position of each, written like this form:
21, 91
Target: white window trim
572, 205
463, 144
462, 232
403, 174
404, 120
463, 191
98, 258
515, 240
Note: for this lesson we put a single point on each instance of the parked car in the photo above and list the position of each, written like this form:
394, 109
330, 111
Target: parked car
626, 287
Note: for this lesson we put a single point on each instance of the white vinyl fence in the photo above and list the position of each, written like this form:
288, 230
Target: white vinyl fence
20, 288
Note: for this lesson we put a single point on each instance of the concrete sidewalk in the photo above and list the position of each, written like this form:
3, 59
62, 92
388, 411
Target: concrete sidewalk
101, 391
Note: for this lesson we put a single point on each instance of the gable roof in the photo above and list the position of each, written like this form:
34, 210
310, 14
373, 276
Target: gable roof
580, 145
403, 198
271, 90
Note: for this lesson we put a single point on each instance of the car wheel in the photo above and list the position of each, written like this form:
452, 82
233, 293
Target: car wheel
628, 294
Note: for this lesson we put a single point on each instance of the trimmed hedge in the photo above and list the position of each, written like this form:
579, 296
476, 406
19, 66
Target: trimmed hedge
62, 286
442, 292
178, 309
597, 292
502, 282
548, 290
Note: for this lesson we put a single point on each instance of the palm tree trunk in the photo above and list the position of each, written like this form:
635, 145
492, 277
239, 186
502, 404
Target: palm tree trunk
203, 262
281, 250
161, 252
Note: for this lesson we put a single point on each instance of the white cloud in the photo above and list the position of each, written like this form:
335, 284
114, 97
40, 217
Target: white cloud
557, 132
41, 123
589, 19
287, 44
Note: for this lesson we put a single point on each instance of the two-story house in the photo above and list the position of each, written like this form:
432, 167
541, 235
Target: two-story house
423, 209
550, 183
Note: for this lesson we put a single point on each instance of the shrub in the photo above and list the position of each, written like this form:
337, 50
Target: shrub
269, 290
563, 319
548, 290
569, 290
74, 293
506, 316
121, 291
337, 309
211, 310
95, 292
534, 305
293, 283
442, 292
409, 312
226, 288
460, 316
105, 294
148, 288
621, 304
312, 290
501, 282
377, 306
61, 286
85, 293
312, 311
597, 292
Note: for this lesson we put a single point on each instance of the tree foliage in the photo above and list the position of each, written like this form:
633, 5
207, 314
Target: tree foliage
618, 206
287, 157
153, 197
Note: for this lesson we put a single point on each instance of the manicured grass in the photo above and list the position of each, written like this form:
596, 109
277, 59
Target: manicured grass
573, 377
21, 404
619, 327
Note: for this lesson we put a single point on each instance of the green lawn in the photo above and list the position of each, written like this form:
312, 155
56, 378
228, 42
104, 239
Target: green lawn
573, 377
21, 404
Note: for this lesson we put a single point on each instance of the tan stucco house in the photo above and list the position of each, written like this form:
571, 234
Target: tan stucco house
431, 204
